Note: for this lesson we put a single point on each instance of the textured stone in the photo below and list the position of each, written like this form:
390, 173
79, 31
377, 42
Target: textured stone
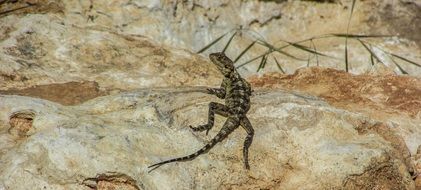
417, 170
70, 93
363, 135
63, 38
392, 99
194, 24
20, 123
300, 141
41, 49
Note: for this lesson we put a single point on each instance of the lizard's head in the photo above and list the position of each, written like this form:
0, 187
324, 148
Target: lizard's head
224, 64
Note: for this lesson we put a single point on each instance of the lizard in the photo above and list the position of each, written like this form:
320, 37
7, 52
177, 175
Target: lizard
236, 91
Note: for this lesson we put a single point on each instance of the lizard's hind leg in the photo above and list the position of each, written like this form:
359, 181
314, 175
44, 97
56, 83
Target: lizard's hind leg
214, 107
245, 123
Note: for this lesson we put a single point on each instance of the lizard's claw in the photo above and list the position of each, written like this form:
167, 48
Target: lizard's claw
196, 128
247, 166
201, 128
207, 131
193, 128
210, 90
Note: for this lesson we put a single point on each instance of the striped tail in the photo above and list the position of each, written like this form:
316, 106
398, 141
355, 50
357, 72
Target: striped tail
220, 136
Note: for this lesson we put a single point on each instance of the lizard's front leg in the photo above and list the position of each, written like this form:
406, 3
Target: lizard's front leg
214, 107
219, 92
245, 123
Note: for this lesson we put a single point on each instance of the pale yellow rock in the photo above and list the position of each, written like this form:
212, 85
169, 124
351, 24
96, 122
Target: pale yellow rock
300, 143
88, 40
194, 24
35, 54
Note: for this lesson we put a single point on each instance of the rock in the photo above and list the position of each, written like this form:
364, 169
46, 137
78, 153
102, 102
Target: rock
41, 49
417, 168
392, 99
418, 182
70, 93
300, 141
194, 24
361, 133
20, 123
111, 180
63, 38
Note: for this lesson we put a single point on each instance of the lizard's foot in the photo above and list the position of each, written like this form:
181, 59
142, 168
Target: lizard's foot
200, 127
247, 166
206, 127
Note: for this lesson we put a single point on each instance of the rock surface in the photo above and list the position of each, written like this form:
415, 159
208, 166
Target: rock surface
340, 130
70, 93
90, 36
417, 161
395, 100
300, 142
193, 24
33, 54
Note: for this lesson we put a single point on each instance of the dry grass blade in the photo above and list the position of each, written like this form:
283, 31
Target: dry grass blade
391, 56
272, 48
279, 66
289, 55
244, 51
397, 65
346, 57
314, 47
350, 16
360, 36
407, 60
346, 37
251, 60
229, 41
9, 11
371, 60
308, 61
262, 63
304, 48
212, 43
370, 51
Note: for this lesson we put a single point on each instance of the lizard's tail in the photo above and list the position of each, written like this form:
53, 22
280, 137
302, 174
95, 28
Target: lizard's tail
221, 135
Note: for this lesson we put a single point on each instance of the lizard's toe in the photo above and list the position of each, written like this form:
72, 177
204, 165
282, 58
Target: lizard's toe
200, 127
195, 128
192, 128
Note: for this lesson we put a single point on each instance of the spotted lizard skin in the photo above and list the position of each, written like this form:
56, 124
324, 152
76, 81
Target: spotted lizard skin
236, 91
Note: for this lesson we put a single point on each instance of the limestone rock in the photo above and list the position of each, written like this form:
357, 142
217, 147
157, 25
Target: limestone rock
70, 93
194, 24
41, 49
395, 100
301, 142
61, 39
417, 170
363, 134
